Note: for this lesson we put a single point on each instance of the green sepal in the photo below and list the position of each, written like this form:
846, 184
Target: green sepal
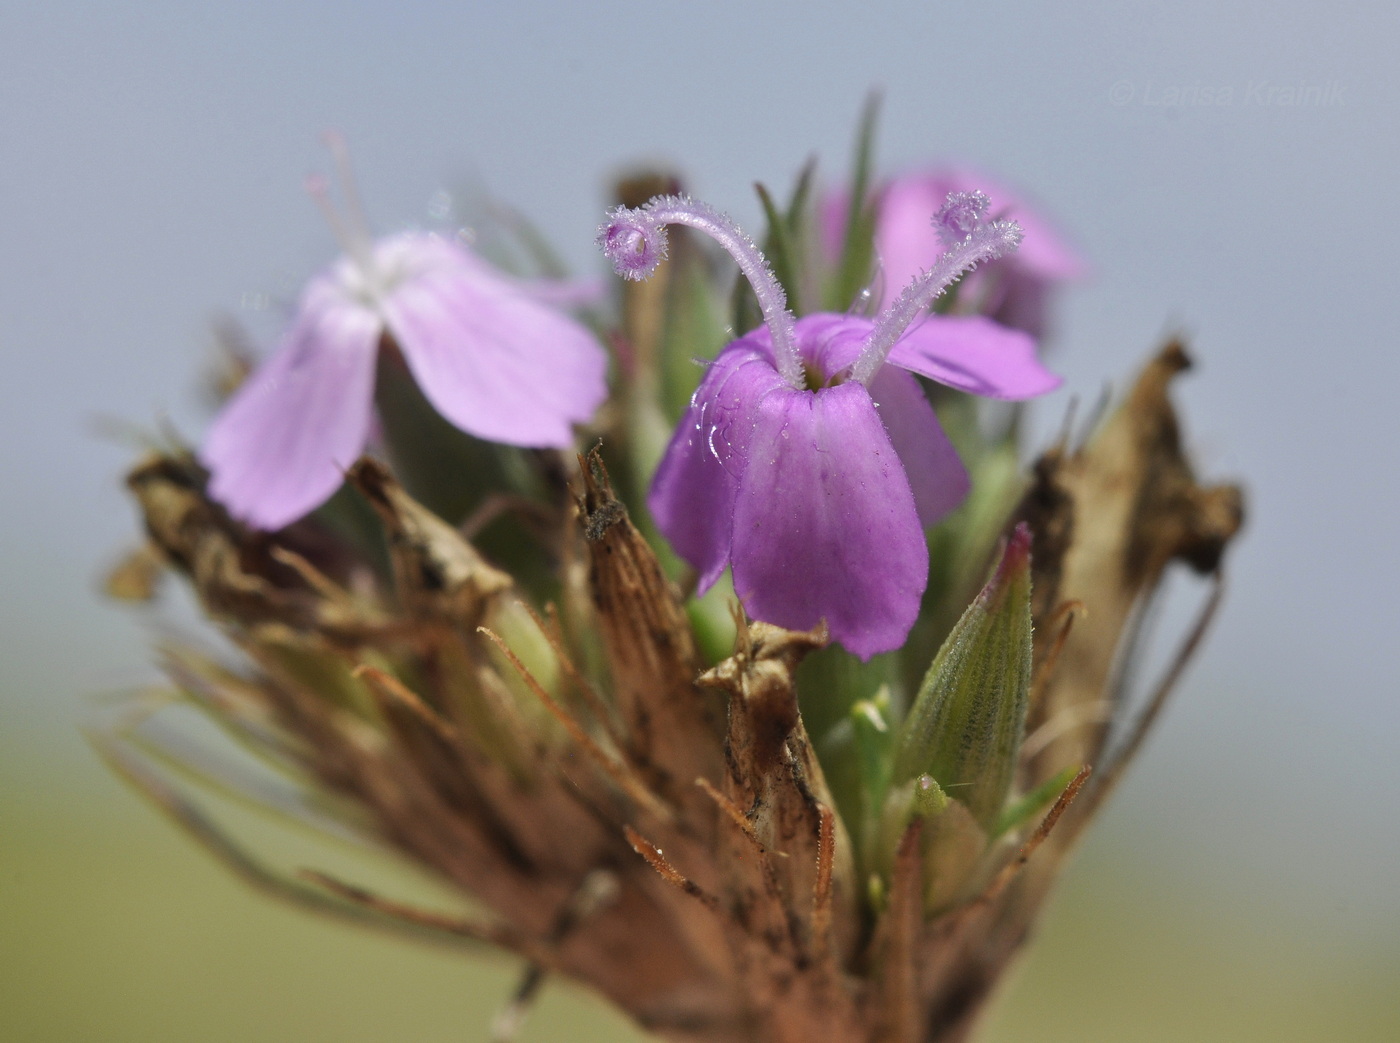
965, 726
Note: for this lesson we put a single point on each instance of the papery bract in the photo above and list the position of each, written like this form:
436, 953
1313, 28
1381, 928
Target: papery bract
490, 357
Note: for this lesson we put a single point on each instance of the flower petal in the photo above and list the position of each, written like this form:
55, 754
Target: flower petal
825, 525
281, 446
974, 354
692, 494
488, 357
936, 474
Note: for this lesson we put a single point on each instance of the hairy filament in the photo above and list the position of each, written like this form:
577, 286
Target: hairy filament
971, 241
634, 240
350, 228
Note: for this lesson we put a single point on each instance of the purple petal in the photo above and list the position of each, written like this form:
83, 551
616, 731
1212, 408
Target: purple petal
830, 343
282, 444
974, 354
936, 474
489, 358
692, 495
825, 525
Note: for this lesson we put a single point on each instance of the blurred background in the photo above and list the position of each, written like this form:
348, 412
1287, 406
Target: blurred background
1227, 169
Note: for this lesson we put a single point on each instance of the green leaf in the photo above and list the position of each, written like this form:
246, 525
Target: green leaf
779, 245
858, 248
801, 195
1020, 811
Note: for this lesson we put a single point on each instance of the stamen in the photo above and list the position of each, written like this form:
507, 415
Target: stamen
981, 241
349, 228
634, 240
355, 222
319, 191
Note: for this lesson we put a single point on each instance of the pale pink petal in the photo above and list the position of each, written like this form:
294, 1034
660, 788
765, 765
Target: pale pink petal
490, 359
974, 354
281, 445
692, 494
825, 525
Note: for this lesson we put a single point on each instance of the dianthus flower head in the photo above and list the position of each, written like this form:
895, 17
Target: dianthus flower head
487, 351
1015, 289
808, 464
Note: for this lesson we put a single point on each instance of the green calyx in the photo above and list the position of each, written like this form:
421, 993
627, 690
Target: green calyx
964, 729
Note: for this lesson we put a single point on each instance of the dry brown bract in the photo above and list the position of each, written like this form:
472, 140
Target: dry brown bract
666, 835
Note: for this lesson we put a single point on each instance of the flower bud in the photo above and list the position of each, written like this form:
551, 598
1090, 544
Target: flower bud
965, 726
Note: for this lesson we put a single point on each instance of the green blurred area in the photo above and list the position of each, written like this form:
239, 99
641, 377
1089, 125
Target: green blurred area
115, 927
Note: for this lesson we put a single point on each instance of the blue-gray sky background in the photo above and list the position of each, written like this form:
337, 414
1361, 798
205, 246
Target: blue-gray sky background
152, 157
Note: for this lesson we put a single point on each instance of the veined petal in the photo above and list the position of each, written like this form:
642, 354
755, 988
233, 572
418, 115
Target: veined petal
489, 358
692, 494
282, 444
825, 525
974, 354
936, 474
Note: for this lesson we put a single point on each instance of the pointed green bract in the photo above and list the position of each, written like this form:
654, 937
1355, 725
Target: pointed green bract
965, 726
779, 247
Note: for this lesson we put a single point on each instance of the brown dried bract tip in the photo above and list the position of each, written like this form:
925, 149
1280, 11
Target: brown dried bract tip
237, 574
438, 574
673, 728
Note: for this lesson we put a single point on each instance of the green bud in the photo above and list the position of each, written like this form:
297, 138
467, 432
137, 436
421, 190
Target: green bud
965, 726
917, 798
951, 848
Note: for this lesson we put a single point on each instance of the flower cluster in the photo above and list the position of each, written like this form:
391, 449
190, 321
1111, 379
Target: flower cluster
483, 658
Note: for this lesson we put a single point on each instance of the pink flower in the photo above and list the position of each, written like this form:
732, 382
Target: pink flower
806, 463
490, 357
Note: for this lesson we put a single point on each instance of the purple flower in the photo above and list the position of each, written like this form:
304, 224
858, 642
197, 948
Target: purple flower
805, 462
1015, 290
488, 354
